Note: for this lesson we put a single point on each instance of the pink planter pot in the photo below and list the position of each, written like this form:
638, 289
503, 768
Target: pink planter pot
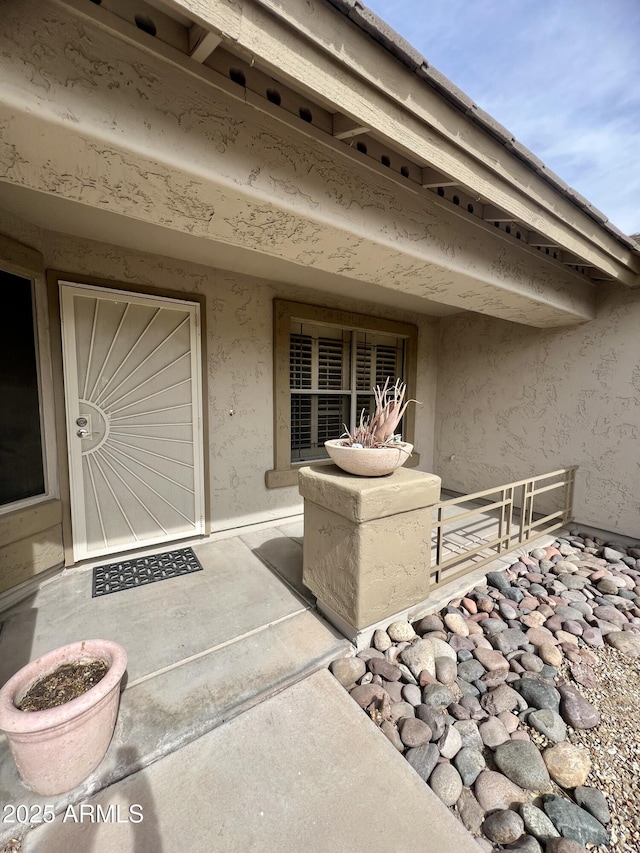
55, 750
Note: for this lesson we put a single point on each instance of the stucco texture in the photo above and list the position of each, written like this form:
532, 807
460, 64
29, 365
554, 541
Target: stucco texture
367, 541
513, 401
120, 131
30, 543
239, 321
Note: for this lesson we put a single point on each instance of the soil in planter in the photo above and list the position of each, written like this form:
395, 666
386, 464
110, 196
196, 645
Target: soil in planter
65, 683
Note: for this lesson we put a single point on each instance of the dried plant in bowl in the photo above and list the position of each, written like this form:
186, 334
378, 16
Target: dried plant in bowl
372, 448
380, 429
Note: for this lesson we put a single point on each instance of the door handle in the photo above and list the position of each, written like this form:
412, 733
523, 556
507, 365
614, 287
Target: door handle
82, 433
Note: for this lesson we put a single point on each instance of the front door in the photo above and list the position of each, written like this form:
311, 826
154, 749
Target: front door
134, 427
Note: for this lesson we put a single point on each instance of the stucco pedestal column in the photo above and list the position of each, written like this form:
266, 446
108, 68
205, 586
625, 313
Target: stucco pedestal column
367, 543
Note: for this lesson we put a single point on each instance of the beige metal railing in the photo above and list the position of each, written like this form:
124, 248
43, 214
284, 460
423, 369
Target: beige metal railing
507, 517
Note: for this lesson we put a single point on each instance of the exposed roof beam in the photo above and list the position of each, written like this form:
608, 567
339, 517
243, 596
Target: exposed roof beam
346, 128
572, 260
202, 42
432, 179
494, 214
544, 242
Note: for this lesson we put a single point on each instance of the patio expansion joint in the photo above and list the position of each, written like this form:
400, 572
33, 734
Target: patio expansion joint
216, 648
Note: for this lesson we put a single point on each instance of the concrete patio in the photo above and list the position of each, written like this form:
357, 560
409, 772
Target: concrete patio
231, 733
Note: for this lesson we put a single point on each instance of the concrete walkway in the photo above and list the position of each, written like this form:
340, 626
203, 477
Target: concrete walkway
303, 771
231, 734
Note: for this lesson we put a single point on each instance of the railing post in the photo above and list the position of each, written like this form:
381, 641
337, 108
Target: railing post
531, 502
570, 478
439, 543
510, 516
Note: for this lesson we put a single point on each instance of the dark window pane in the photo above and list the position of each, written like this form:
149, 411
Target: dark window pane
329, 363
375, 363
21, 463
300, 426
333, 414
367, 403
386, 364
300, 361
314, 419
363, 366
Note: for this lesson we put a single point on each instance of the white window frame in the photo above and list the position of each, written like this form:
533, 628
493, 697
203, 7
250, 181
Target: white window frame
285, 471
28, 264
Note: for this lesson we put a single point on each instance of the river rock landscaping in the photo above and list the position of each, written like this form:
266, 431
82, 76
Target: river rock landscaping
519, 704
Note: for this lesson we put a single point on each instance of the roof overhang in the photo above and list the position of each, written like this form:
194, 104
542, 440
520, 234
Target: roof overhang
379, 86
295, 190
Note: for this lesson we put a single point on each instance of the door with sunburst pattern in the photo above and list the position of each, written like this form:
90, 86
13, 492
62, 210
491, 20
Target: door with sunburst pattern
133, 402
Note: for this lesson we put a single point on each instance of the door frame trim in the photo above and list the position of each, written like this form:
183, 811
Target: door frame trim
27, 263
54, 279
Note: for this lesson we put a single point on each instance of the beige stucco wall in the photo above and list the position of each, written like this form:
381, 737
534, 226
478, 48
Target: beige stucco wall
514, 401
30, 543
239, 356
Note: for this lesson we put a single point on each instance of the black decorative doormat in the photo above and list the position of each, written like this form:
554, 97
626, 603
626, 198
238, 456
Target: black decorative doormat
129, 574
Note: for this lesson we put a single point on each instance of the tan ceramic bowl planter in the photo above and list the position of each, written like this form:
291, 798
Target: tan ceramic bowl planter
56, 749
368, 461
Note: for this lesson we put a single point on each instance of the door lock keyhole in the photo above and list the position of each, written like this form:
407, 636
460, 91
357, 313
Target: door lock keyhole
84, 422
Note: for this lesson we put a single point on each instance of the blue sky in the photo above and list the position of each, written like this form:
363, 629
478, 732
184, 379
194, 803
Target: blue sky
562, 75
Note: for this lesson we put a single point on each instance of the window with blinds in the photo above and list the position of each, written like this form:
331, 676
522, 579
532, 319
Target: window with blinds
332, 374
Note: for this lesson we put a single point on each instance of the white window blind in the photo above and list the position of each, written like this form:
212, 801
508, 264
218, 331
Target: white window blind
332, 375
